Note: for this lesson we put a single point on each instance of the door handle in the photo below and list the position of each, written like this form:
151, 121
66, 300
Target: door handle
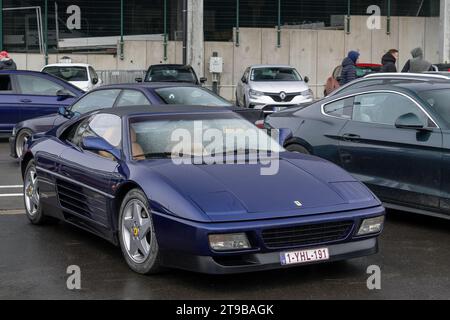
25, 100
350, 137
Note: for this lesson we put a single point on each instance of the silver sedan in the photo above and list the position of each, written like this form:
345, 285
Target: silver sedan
272, 88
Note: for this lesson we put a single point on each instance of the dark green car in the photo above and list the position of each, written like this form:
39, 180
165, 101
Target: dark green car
394, 138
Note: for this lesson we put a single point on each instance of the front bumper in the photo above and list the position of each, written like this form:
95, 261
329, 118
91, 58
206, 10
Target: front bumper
12, 147
184, 244
268, 105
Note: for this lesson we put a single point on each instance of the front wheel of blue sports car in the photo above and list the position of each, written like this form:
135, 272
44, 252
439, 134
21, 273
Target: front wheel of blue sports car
137, 234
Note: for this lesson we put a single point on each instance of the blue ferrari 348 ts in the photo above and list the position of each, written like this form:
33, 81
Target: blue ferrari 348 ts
144, 180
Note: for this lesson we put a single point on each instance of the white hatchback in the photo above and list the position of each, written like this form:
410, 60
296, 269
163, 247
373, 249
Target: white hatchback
79, 74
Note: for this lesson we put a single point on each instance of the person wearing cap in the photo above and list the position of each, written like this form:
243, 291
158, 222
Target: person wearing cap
348, 72
6, 63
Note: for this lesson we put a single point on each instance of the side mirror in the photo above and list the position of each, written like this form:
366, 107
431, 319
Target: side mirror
94, 81
64, 94
409, 121
138, 79
67, 113
203, 80
98, 144
338, 79
243, 80
306, 79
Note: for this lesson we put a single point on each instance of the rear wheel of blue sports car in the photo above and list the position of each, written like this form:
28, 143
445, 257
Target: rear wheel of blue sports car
137, 234
21, 139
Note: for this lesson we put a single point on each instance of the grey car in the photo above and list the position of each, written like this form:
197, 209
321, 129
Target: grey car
272, 88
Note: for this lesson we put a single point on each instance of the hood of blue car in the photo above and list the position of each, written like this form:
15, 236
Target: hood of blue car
234, 192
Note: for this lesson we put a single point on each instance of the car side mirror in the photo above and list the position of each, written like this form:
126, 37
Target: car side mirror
243, 80
64, 94
98, 144
66, 112
138, 79
338, 79
203, 80
409, 121
306, 79
95, 81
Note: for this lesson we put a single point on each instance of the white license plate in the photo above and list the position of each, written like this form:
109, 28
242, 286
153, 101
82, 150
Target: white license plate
304, 256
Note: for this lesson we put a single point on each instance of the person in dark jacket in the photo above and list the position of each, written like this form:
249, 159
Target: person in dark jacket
348, 72
389, 60
417, 64
6, 63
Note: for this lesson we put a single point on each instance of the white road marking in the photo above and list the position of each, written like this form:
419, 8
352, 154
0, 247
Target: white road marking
11, 187
11, 212
10, 195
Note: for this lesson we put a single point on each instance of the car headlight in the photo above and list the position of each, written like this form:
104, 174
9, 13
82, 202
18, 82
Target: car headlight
255, 94
309, 94
227, 242
371, 225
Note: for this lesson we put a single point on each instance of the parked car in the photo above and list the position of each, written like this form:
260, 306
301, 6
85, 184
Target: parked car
171, 73
362, 69
80, 75
28, 94
272, 88
391, 78
120, 95
112, 173
395, 138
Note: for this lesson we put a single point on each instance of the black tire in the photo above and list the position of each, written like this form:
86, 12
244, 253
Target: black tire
20, 136
36, 217
297, 148
237, 100
151, 264
245, 102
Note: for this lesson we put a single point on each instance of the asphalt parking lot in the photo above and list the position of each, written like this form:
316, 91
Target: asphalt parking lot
414, 259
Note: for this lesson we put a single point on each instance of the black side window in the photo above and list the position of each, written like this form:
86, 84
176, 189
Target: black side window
340, 109
5, 84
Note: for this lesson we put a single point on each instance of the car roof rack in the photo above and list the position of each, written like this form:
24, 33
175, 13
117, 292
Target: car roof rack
404, 75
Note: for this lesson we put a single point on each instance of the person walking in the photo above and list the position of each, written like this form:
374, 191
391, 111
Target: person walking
389, 61
348, 72
417, 64
6, 63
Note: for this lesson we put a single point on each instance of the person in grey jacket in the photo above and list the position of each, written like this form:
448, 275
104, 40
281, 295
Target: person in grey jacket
348, 72
417, 64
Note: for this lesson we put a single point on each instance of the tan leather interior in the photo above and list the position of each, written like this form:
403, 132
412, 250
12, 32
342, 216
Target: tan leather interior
136, 149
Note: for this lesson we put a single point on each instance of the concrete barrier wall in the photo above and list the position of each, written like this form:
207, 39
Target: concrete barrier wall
315, 53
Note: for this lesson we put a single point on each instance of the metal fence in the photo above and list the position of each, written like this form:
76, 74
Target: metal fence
120, 76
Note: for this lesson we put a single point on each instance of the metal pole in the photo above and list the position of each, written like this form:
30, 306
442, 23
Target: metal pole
348, 16
1, 24
279, 25
46, 31
165, 30
388, 20
121, 44
185, 30
237, 23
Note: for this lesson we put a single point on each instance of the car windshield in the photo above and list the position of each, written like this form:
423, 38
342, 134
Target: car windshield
438, 100
170, 74
191, 96
68, 73
274, 74
202, 135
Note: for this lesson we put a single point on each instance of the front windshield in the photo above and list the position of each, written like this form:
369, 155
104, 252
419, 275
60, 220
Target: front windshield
274, 74
191, 96
170, 74
203, 135
438, 100
68, 73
